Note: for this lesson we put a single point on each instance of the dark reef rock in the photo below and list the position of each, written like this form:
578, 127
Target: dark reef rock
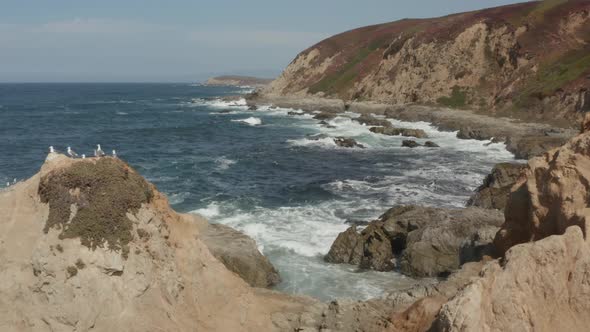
431, 144
493, 193
410, 144
426, 242
346, 142
418, 133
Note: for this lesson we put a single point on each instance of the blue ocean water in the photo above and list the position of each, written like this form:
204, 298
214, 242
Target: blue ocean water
254, 170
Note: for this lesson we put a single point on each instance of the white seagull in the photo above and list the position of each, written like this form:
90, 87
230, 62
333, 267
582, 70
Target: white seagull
83, 156
71, 153
98, 152
114, 153
51, 149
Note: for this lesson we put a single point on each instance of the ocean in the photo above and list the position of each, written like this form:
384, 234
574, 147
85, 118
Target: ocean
253, 170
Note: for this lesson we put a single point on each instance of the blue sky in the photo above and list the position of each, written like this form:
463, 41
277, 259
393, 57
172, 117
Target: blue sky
181, 40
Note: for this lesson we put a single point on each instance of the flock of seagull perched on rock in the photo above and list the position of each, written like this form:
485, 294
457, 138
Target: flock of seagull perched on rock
98, 152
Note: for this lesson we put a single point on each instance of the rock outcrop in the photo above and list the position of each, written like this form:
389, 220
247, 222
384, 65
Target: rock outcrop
421, 241
496, 60
552, 196
494, 191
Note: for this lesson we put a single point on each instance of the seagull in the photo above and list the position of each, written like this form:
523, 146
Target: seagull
14, 181
114, 154
7, 184
71, 153
51, 149
83, 156
98, 152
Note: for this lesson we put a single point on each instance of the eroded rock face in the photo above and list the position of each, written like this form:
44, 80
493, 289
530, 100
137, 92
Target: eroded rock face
541, 286
553, 195
422, 241
494, 191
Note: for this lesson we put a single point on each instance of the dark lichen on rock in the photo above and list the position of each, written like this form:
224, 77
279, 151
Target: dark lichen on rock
90, 200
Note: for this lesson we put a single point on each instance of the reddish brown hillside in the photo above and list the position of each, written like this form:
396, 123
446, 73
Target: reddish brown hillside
531, 59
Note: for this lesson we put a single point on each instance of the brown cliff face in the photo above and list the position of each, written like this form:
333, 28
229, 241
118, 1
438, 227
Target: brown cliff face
531, 57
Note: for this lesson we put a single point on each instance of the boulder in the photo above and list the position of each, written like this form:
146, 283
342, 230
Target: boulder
494, 191
242, 257
346, 142
475, 133
293, 113
431, 144
389, 131
551, 195
410, 144
368, 120
252, 108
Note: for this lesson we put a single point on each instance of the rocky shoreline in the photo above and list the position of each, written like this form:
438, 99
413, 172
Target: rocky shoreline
524, 139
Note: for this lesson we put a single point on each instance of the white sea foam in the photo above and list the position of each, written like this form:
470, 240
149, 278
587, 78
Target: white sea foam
211, 211
251, 121
122, 113
224, 163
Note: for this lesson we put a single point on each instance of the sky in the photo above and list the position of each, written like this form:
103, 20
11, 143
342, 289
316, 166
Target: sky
181, 40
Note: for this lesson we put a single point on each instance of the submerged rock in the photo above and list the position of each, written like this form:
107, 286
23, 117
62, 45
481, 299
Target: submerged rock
410, 144
346, 142
418, 133
494, 191
431, 144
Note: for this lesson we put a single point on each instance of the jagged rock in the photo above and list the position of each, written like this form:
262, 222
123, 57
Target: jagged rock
427, 241
316, 137
368, 120
431, 144
369, 249
241, 257
410, 144
346, 142
292, 113
418, 133
252, 108
494, 191
551, 196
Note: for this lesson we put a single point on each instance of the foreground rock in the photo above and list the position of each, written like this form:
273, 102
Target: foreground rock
241, 257
107, 253
546, 280
418, 133
424, 241
494, 191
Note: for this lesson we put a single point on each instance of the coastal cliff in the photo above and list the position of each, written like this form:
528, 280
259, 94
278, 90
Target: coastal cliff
529, 61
